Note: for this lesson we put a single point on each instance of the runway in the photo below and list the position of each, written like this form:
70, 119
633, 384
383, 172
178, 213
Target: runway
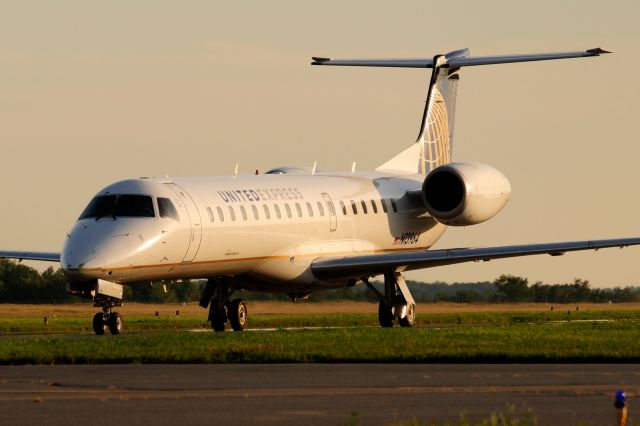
311, 394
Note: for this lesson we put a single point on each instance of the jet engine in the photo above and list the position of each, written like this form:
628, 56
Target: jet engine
461, 194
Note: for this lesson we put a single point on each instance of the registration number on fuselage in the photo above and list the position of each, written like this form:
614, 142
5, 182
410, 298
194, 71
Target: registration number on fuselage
407, 238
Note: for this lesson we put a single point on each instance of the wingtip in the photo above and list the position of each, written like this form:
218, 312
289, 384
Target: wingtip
318, 60
598, 51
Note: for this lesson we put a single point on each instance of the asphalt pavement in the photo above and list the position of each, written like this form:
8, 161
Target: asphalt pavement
313, 394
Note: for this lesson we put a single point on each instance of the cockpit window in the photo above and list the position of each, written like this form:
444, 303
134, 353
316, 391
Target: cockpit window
99, 207
134, 206
119, 206
167, 209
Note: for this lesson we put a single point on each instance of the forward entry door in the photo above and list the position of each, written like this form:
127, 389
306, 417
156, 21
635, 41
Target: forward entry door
193, 218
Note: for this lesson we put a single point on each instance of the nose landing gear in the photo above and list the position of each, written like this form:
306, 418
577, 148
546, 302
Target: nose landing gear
107, 318
106, 295
104, 320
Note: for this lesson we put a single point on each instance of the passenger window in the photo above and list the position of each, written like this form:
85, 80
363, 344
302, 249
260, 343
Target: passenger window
210, 214
232, 213
288, 209
277, 209
310, 209
299, 209
267, 213
320, 208
134, 206
364, 206
167, 209
344, 208
354, 207
393, 205
384, 205
220, 214
244, 212
374, 206
255, 212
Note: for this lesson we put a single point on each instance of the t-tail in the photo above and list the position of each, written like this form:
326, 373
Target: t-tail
433, 147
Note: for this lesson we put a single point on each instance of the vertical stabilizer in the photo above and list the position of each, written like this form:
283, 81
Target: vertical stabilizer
433, 146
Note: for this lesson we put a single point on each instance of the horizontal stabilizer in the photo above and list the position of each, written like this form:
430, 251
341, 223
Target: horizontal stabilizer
457, 61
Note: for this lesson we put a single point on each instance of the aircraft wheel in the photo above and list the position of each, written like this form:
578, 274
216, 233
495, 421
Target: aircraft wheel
410, 319
218, 316
238, 315
114, 321
385, 314
99, 323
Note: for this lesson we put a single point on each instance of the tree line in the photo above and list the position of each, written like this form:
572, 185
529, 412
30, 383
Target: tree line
22, 284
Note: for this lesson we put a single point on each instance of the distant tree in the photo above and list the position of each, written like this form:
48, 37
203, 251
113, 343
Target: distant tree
510, 288
22, 284
466, 296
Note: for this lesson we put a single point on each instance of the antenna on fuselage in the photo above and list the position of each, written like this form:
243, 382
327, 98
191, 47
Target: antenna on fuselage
235, 172
353, 168
313, 170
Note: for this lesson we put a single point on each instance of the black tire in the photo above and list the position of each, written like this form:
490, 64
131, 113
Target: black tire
114, 321
99, 323
410, 319
218, 316
238, 315
385, 314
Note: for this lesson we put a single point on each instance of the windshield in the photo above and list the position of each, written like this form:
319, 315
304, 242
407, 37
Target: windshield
119, 206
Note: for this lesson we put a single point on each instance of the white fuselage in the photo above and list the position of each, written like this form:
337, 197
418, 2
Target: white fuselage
266, 228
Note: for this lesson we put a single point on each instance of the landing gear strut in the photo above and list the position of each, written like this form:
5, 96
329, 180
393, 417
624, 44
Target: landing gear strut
396, 302
216, 297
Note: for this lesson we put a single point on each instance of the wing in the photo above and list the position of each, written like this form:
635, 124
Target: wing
30, 255
376, 264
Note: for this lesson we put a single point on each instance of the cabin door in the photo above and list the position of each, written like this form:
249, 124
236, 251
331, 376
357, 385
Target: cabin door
333, 218
193, 219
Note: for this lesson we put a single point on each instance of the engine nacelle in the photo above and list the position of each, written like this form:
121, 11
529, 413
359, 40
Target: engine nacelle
461, 194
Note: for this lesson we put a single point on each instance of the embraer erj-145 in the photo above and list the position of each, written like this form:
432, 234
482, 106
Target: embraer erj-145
295, 230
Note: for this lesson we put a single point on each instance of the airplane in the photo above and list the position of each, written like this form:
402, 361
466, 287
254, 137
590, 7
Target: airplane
295, 230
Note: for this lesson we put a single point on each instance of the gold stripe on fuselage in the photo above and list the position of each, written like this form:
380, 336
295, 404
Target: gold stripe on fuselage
245, 259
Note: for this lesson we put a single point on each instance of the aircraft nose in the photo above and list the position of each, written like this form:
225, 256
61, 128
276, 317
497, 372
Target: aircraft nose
79, 259
81, 252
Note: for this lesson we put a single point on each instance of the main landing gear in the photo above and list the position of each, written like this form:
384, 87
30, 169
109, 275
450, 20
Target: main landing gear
216, 297
396, 302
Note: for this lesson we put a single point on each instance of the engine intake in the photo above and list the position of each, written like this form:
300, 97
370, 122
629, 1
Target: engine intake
461, 194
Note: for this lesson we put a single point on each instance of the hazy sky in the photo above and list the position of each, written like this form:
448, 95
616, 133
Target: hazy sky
94, 92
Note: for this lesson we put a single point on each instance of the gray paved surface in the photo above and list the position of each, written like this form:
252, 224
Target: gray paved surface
310, 394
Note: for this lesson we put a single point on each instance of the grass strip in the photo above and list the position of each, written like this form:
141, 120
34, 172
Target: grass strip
517, 342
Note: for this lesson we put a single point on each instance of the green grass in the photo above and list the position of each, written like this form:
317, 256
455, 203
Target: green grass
507, 341
137, 322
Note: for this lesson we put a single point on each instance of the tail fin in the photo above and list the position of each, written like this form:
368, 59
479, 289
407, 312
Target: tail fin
433, 146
